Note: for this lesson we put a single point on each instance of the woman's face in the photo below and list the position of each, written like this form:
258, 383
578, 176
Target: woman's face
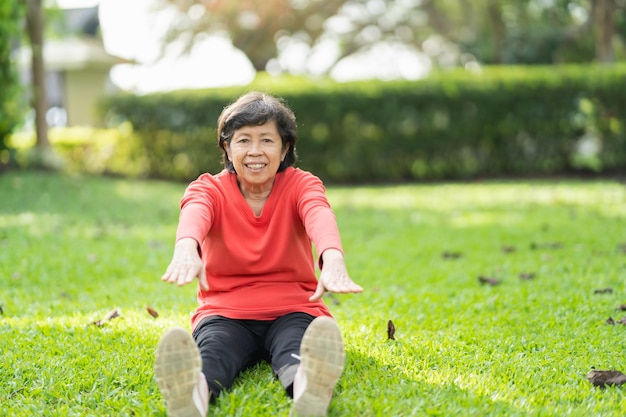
256, 153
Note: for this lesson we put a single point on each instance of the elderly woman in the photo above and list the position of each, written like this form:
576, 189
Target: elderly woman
246, 234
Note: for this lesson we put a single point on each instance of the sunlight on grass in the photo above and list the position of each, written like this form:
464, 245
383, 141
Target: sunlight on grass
137, 319
74, 248
609, 198
31, 223
484, 219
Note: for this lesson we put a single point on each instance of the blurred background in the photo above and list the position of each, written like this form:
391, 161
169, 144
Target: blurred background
412, 89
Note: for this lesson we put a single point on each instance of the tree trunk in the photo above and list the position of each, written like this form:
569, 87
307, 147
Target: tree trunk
604, 29
494, 11
34, 23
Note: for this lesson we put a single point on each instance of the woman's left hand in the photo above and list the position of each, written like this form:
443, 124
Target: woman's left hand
334, 276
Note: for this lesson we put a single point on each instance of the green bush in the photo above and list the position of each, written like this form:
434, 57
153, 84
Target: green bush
88, 150
458, 124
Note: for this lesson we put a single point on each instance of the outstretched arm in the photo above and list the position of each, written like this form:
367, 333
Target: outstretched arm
186, 265
334, 276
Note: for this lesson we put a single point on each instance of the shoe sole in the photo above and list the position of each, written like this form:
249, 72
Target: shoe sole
322, 360
177, 367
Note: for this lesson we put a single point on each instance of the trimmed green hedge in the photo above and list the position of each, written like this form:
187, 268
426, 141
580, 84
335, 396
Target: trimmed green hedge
460, 124
500, 121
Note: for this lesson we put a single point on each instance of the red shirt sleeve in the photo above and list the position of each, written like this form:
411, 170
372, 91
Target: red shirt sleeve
197, 210
317, 216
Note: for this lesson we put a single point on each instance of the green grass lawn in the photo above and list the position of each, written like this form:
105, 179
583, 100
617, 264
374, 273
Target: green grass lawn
72, 249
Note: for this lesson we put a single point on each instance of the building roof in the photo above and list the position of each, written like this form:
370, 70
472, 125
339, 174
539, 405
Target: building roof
70, 54
79, 48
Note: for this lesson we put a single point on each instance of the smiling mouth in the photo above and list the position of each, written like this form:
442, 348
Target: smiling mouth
255, 166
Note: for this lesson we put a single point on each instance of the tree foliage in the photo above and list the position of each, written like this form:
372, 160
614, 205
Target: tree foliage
10, 109
254, 27
450, 32
492, 31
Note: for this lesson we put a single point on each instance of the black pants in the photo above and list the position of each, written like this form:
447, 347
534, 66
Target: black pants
228, 346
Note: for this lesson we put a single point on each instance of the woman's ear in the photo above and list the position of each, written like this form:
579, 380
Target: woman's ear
285, 150
227, 150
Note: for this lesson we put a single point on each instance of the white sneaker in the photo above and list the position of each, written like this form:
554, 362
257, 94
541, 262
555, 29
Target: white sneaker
178, 371
322, 360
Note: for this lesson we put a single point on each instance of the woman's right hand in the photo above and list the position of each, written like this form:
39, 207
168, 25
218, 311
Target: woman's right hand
186, 265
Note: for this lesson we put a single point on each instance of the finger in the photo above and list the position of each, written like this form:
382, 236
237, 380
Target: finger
358, 288
174, 272
355, 288
186, 277
319, 292
168, 274
171, 277
344, 288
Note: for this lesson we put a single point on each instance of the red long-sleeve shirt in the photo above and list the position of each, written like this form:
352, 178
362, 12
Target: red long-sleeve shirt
258, 268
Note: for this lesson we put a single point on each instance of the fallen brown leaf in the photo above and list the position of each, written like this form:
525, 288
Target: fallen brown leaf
607, 290
152, 312
550, 245
109, 316
610, 320
489, 281
606, 378
621, 307
508, 249
391, 330
451, 255
527, 275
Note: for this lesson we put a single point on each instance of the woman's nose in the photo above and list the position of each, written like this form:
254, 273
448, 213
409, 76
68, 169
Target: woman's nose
254, 148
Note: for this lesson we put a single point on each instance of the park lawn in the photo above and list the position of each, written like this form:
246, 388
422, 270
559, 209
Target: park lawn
73, 249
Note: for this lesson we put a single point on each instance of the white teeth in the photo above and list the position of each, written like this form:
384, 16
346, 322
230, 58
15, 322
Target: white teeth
256, 166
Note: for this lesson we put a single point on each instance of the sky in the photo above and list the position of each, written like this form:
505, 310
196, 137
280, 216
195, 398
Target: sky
131, 29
